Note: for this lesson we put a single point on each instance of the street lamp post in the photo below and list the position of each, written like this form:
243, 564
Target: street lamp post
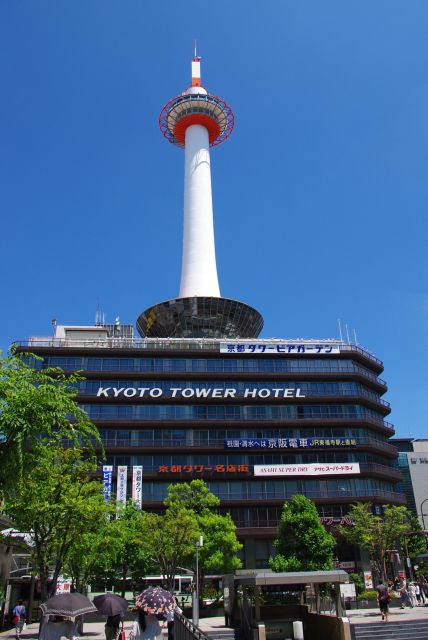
422, 512
199, 543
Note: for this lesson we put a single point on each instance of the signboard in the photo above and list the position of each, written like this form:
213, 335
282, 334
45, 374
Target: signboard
198, 392
347, 590
201, 468
137, 485
63, 585
288, 443
347, 564
368, 580
107, 482
312, 469
257, 348
122, 473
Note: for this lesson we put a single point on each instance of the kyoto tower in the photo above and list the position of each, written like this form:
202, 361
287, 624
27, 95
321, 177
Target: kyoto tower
195, 121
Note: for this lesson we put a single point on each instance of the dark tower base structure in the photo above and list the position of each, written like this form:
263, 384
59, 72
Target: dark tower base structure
200, 317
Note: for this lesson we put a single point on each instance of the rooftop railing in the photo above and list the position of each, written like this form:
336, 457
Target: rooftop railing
181, 344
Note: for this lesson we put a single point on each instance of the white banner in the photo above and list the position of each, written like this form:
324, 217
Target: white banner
313, 469
122, 473
256, 348
137, 485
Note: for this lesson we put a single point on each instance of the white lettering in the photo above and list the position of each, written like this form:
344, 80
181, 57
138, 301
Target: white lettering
103, 392
264, 393
229, 393
250, 393
155, 393
217, 393
130, 393
117, 392
142, 391
188, 393
288, 393
299, 395
202, 393
174, 391
276, 392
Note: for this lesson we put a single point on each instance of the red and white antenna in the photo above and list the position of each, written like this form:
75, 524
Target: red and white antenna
196, 69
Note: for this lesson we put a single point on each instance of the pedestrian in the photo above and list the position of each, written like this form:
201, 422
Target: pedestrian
383, 598
112, 627
19, 615
146, 627
418, 593
397, 584
404, 595
412, 594
58, 628
169, 616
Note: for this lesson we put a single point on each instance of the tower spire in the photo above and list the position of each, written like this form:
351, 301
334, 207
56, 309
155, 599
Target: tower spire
196, 69
196, 120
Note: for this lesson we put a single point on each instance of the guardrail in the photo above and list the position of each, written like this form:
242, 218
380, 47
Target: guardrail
184, 629
178, 344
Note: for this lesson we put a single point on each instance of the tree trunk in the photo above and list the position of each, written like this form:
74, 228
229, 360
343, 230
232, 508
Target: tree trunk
124, 574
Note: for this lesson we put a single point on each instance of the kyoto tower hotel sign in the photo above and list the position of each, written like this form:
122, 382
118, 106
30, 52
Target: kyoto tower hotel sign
196, 121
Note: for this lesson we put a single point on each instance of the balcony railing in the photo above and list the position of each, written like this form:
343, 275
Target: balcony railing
385, 497
218, 443
178, 344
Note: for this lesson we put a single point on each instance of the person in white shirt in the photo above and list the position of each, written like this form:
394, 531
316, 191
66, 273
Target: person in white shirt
146, 627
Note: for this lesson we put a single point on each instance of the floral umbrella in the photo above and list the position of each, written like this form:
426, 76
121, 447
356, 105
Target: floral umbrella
155, 600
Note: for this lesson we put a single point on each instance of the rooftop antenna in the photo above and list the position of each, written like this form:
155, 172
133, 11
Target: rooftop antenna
355, 337
98, 315
195, 48
347, 333
340, 330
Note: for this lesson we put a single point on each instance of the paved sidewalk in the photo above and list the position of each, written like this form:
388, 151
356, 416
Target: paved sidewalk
396, 614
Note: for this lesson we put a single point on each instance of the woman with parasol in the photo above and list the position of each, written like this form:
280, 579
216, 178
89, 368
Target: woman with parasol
150, 603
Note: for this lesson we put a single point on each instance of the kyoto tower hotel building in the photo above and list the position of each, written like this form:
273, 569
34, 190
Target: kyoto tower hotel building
199, 395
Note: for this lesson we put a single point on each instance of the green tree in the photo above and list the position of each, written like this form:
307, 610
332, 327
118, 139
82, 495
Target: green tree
376, 534
130, 559
169, 540
56, 503
93, 555
36, 403
303, 543
219, 531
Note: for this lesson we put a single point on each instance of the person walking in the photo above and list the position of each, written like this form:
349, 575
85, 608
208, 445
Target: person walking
405, 598
146, 627
412, 594
19, 615
418, 593
383, 599
112, 627
169, 616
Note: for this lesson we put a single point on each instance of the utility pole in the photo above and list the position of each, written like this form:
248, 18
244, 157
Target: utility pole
199, 543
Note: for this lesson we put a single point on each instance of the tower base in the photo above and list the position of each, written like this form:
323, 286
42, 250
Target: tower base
200, 317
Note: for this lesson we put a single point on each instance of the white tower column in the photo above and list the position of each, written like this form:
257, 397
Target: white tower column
199, 269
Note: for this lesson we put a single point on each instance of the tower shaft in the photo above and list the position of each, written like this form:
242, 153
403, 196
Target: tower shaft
199, 269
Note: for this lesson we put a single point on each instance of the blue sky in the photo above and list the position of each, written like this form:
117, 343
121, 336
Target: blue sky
320, 195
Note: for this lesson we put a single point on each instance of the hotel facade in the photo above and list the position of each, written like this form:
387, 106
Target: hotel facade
200, 395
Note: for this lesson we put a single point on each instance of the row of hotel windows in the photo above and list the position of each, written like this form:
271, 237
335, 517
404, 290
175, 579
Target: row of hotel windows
270, 516
281, 489
230, 412
204, 365
307, 388
155, 461
190, 437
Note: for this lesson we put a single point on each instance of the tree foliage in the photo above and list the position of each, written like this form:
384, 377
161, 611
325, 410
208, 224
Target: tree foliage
303, 543
377, 534
56, 504
169, 540
218, 553
36, 403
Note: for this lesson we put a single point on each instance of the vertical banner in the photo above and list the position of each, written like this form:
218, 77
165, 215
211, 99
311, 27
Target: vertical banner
107, 482
122, 473
137, 485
